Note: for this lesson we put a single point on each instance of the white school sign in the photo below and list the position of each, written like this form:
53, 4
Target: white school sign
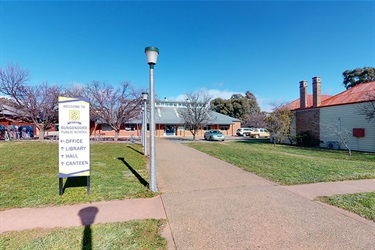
74, 137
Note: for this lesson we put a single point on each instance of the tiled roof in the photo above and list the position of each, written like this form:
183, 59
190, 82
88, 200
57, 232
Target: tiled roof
359, 93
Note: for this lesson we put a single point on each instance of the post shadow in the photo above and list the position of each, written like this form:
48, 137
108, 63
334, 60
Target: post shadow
87, 218
136, 150
140, 178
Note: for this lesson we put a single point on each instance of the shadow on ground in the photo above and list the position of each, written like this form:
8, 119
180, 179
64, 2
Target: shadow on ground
134, 149
138, 176
87, 216
72, 182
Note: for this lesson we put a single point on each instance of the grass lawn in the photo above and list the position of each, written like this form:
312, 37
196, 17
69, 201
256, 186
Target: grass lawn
290, 165
362, 203
141, 234
29, 175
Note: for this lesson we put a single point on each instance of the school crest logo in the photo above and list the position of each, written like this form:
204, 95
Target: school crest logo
74, 115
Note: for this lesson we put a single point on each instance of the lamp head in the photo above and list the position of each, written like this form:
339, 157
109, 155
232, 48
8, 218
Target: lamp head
144, 96
152, 54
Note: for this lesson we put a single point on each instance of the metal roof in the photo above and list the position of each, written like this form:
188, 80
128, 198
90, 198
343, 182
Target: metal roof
363, 92
360, 93
169, 115
7, 110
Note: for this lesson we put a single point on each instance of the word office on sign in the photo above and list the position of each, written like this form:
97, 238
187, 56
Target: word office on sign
74, 139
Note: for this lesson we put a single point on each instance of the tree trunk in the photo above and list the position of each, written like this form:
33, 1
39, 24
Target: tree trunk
41, 134
117, 132
347, 147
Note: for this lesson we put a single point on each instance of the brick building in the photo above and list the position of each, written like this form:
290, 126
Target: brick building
325, 116
169, 123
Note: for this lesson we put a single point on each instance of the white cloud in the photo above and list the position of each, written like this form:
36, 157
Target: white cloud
215, 93
264, 104
224, 94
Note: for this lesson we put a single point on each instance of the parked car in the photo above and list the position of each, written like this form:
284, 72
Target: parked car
258, 133
214, 135
241, 131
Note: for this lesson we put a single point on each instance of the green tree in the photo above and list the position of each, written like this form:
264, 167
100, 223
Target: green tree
218, 105
254, 107
279, 122
358, 76
238, 106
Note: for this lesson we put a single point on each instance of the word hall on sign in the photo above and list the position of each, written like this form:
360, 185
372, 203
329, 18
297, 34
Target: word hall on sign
70, 156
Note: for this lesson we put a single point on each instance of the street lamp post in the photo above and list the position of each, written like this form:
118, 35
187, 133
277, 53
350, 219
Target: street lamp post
152, 56
143, 126
144, 130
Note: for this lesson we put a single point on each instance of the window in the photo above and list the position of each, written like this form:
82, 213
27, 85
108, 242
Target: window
224, 127
129, 127
106, 127
207, 127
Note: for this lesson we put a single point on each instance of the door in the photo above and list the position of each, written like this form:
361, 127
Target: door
170, 130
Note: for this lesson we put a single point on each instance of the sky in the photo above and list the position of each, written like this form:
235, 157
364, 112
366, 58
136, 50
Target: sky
218, 47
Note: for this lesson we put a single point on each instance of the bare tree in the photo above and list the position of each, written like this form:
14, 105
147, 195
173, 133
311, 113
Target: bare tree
12, 80
195, 114
279, 122
34, 104
76, 91
342, 134
368, 108
114, 105
256, 120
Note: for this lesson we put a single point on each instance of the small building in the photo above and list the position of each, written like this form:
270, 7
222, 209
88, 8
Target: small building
169, 123
330, 118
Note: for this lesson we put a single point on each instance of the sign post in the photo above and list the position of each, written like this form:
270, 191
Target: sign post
74, 139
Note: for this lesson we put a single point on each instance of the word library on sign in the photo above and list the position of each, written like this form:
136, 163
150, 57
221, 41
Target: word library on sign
74, 148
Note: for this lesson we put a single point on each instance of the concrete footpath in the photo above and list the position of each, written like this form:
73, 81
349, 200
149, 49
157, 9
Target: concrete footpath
81, 214
211, 204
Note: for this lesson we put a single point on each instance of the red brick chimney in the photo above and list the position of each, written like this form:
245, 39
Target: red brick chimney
303, 94
316, 91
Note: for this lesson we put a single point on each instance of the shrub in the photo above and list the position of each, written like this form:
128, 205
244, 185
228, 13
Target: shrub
307, 139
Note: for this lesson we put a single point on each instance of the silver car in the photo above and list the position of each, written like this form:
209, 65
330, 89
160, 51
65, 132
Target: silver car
214, 135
